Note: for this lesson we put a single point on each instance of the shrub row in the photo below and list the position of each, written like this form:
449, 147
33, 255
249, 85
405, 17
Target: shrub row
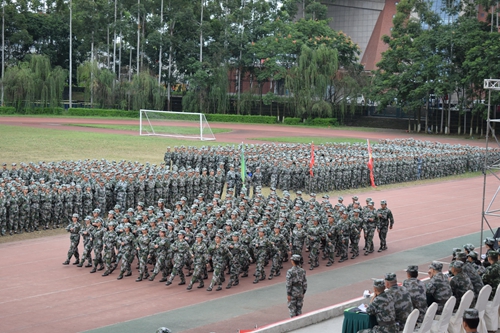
86, 112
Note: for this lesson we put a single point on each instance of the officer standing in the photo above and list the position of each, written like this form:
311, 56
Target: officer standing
296, 286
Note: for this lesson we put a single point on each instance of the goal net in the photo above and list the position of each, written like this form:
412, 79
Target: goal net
175, 124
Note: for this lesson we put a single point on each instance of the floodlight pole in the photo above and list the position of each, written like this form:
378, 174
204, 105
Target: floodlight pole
489, 84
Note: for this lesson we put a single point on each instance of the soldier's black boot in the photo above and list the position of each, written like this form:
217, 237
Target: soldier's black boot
113, 268
88, 264
139, 279
66, 262
256, 280
229, 285
311, 268
94, 269
278, 273
330, 262
201, 285
128, 273
263, 277
80, 264
270, 276
210, 287
106, 273
237, 282
152, 277
183, 282
120, 276
101, 267
169, 281
146, 274
164, 278
219, 287
190, 286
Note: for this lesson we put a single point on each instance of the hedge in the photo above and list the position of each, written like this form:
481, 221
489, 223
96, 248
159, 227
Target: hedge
87, 112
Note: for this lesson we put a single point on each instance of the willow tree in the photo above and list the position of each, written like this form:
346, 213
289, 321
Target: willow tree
310, 79
146, 93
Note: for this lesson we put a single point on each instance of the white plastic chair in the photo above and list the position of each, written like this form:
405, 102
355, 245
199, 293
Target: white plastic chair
428, 319
411, 321
456, 319
441, 325
491, 312
482, 300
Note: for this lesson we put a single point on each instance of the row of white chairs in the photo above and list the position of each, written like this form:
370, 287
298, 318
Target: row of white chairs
449, 322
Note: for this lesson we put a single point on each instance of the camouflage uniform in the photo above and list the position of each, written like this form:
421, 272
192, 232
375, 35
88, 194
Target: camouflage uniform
142, 247
402, 304
492, 277
219, 253
438, 290
382, 307
296, 287
460, 284
74, 229
86, 233
109, 239
199, 253
416, 288
180, 249
126, 251
160, 248
385, 221
97, 240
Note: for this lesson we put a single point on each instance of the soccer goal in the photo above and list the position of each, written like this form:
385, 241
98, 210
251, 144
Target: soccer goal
187, 125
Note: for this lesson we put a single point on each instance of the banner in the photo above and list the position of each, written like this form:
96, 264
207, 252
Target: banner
370, 164
311, 162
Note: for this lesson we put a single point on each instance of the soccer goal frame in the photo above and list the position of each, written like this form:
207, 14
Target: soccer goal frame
145, 121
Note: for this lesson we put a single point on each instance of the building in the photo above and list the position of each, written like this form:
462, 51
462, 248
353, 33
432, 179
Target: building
366, 21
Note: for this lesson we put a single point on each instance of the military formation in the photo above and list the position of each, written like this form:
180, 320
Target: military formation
391, 303
45, 195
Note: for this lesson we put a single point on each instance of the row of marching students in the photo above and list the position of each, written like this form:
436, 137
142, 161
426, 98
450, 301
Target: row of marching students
213, 239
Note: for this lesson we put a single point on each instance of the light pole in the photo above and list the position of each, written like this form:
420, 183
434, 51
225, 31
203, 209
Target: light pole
70, 53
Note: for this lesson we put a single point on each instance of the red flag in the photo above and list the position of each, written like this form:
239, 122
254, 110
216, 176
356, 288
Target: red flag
370, 164
311, 162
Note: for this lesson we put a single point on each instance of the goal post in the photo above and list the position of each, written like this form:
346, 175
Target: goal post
187, 125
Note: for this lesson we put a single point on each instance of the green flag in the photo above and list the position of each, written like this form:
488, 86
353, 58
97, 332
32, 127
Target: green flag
242, 165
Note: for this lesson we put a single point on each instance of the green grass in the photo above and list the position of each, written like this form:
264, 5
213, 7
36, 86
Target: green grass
309, 139
170, 129
28, 144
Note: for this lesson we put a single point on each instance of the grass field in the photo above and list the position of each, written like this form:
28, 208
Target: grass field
309, 139
160, 129
27, 144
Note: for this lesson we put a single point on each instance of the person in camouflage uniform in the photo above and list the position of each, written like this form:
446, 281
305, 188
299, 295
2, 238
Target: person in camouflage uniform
97, 241
279, 247
403, 305
369, 226
142, 247
180, 249
296, 286
260, 246
86, 233
219, 253
459, 282
3, 213
24, 210
297, 238
382, 307
46, 207
416, 288
74, 229
160, 249
473, 274
13, 211
492, 274
199, 255
315, 233
437, 288
126, 252
385, 222
109, 239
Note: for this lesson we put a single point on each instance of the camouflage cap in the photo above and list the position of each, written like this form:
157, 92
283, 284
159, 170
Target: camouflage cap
461, 255
390, 277
489, 241
76, 215
469, 247
492, 254
412, 268
473, 255
471, 314
383, 202
296, 257
199, 235
379, 283
436, 266
457, 264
